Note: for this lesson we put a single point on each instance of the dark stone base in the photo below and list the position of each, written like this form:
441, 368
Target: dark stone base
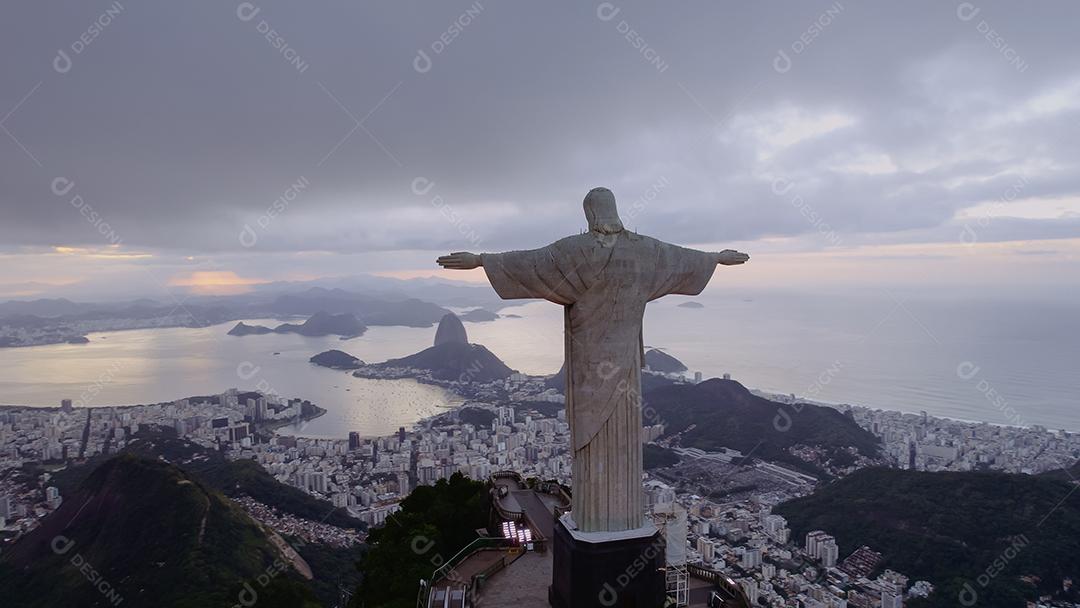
623, 573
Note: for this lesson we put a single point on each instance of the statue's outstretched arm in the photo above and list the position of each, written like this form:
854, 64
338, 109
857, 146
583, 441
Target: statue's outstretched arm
730, 257
460, 260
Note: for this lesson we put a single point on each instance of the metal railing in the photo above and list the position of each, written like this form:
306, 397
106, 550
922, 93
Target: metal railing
444, 571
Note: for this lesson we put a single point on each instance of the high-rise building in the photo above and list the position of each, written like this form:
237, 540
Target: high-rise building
776, 527
318, 482
814, 539
238, 433
65, 405
354, 440
830, 552
52, 497
505, 415
821, 546
707, 549
751, 558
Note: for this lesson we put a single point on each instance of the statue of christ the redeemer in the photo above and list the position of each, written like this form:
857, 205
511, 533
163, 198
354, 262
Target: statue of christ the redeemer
603, 279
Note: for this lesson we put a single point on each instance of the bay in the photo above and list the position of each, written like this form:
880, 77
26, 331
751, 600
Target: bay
869, 349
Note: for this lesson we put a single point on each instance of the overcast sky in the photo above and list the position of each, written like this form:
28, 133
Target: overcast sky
917, 143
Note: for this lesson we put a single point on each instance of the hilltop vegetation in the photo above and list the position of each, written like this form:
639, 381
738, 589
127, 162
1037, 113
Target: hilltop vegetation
659, 361
333, 567
212, 469
723, 413
434, 523
655, 456
157, 536
950, 528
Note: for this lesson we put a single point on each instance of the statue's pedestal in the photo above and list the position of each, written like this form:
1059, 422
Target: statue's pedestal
622, 569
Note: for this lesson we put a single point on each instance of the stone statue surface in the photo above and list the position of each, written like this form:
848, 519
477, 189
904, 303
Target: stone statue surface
603, 278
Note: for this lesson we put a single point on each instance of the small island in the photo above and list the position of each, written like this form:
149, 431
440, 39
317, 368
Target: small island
336, 359
691, 305
479, 315
78, 340
243, 329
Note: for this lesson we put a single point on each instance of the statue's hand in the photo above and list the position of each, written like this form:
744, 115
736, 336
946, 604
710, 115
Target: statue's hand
461, 260
730, 257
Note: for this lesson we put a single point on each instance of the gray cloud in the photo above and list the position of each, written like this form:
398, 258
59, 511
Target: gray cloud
179, 124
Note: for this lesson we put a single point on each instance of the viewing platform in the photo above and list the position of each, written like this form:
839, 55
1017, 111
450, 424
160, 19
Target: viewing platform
517, 572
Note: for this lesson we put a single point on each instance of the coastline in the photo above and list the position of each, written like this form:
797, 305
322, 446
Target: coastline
842, 407
273, 425
783, 399
319, 411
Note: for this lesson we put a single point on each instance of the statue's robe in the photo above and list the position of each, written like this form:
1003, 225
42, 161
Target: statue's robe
603, 283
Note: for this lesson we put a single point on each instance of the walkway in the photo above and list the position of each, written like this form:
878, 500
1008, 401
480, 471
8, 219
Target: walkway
523, 584
461, 576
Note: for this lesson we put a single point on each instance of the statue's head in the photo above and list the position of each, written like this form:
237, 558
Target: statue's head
601, 212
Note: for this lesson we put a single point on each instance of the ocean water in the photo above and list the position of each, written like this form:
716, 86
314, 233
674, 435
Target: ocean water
153, 365
1004, 362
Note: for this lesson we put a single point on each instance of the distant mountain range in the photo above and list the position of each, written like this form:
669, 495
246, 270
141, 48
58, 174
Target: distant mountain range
724, 414
371, 310
81, 297
49, 321
36, 312
953, 528
44, 307
141, 532
320, 324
